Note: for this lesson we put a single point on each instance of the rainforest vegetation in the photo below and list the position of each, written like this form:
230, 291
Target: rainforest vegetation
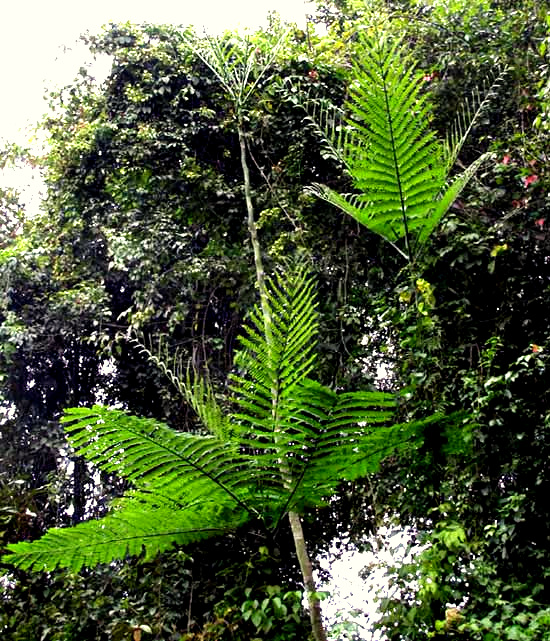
287, 292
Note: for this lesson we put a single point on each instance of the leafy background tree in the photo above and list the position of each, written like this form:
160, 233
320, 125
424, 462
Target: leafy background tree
138, 158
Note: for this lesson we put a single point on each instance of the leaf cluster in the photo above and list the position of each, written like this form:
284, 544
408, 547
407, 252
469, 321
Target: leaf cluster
292, 441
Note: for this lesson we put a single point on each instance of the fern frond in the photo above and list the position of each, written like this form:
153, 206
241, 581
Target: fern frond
393, 157
236, 62
156, 458
276, 364
195, 389
293, 330
442, 206
397, 165
273, 368
359, 207
136, 525
171, 365
353, 425
327, 121
203, 400
467, 118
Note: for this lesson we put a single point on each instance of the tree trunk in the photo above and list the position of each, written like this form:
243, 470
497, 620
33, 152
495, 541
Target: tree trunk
307, 573
294, 518
253, 231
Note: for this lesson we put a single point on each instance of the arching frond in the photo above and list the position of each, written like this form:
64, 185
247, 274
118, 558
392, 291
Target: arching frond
140, 524
327, 121
468, 116
398, 167
195, 389
336, 432
156, 458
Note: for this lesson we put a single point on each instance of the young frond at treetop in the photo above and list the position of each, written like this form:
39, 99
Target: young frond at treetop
398, 167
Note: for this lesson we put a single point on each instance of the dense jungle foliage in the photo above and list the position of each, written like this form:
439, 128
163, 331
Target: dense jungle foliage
143, 230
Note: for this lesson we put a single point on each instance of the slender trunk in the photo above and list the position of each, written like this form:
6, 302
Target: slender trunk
253, 231
79, 489
307, 573
294, 518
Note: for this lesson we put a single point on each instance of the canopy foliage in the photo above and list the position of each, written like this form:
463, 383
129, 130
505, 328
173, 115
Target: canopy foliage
143, 229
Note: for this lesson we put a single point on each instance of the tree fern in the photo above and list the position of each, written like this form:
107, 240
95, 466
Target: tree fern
137, 525
398, 167
283, 456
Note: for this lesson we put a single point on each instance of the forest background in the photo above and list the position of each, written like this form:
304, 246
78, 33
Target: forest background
143, 230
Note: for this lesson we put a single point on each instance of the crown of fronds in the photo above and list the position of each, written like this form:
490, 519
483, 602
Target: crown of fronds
397, 165
292, 441
239, 63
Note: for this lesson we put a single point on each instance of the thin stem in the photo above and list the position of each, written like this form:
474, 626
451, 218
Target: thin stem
307, 574
253, 231
190, 604
294, 518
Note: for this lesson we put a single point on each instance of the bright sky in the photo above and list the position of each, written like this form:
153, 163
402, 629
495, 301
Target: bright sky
34, 33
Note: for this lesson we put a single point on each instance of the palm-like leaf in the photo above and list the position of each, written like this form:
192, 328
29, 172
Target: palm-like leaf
292, 442
237, 62
138, 524
395, 160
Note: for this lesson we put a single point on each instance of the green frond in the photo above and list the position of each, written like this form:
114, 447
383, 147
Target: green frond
268, 391
468, 116
203, 400
171, 365
236, 62
353, 427
195, 389
156, 458
442, 206
328, 123
359, 207
359, 436
394, 159
293, 441
137, 525
398, 167
275, 364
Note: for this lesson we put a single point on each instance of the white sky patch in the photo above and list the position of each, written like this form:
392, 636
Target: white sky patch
352, 605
